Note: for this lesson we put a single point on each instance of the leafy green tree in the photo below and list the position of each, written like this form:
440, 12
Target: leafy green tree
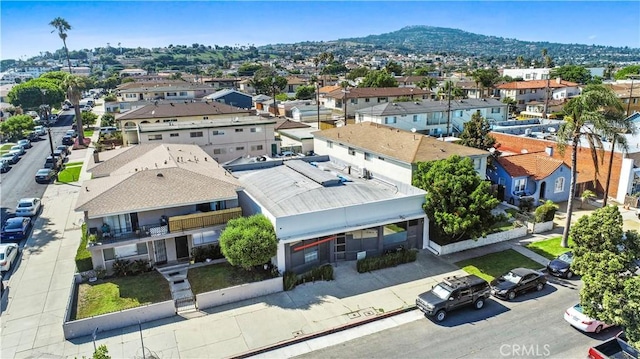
485, 78
334, 68
248, 69
305, 92
107, 119
62, 26
15, 126
458, 202
604, 256
357, 72
476, 133
249, 241
266, 81
428, 83
600, 108
58, 76
626, 71
449, 89
378, 78
511, 104
573, 73
30, 94
89, 118
393, 67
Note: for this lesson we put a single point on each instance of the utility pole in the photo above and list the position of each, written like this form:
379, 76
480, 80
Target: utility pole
449, 107
633, 77
546, 102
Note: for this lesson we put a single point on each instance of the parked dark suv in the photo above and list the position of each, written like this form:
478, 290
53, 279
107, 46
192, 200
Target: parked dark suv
453, 293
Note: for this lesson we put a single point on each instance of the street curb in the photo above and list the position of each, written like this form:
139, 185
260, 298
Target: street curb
305, 338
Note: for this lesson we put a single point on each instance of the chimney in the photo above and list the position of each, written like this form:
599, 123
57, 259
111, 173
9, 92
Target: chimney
549, 151
558, 80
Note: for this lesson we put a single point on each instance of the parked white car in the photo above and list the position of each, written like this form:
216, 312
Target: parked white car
8, 255
579, 320
28, 207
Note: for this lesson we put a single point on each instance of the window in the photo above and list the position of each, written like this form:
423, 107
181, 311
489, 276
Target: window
352, 151
501, 181
415, 118
520, 184
476, 163
367, 99
256, 129
382, 99
354, 101
256, 148
368, 156
171, 94
183, 93
311, 254
130, 250
388, 120
217, 133
155, 137
459, 113
170, 120
559, 185
495, 110
205, 117
239, 130
196, 134
329, 144
241, 148
218, 151
174, 135
206, 237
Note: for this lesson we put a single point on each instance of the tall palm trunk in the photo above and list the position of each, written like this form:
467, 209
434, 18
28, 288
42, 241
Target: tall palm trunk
66, 51
572, 189
606, 187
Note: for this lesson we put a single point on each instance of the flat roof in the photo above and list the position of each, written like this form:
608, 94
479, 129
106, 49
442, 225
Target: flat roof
213, 123
287, 192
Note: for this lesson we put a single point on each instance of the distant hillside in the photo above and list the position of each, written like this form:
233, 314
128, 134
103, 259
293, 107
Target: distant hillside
438, 40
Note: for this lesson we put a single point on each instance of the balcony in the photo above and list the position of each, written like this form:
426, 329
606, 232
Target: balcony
175, 225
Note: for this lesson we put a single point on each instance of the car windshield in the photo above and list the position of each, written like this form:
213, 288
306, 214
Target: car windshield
578, 308
13, 225
1, 256
42, 173
512, 277
441, 291
24, 204
566, 257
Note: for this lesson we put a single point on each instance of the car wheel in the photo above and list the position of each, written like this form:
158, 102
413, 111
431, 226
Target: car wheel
569, 275
539, 286
598, 329
479, 303
440, 315
511, 295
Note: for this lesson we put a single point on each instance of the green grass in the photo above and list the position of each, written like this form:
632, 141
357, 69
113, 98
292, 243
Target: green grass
88, 133
549, 248
5, 148
217, 276
494, 265
115, 294
71, 172
512, 212
83, 256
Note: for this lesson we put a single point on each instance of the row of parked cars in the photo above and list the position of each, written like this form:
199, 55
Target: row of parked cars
14, 154
53, 165
456, 292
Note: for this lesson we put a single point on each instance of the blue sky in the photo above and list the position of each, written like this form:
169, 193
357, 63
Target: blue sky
24, 29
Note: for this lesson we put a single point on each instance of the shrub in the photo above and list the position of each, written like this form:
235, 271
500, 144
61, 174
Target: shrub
323, 272
290, 280
526, 204
122, 267
386, 260
200, 254
140, 266
83, 256
545, 212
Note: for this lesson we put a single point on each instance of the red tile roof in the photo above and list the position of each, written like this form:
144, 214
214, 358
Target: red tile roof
535, 84
537, 165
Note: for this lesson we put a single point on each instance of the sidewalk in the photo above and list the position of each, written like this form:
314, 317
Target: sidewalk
39, 290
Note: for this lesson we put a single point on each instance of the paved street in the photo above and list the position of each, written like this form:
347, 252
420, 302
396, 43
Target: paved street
531, 326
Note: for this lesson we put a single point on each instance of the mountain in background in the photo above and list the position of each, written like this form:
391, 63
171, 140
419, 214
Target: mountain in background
439, 40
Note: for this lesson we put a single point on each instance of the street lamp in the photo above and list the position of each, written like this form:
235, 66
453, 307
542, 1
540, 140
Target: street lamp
44, 112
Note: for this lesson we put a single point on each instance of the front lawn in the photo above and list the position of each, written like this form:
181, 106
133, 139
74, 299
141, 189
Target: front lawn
222, 275
71, 172
550, 248
118, 293
88, 133
5, 148
494, 265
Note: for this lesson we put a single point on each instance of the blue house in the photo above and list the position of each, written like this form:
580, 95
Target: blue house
232, 97
536, 175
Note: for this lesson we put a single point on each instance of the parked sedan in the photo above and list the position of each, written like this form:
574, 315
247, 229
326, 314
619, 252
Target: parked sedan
561, 266
579, 320
25, 143
67, 141
4, 165
45, 175
12, 157
19, 149
16, 228
28, 207
65, 149
517, 281
8, 255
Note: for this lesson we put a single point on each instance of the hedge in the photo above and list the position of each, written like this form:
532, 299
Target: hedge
83, 256
387, 260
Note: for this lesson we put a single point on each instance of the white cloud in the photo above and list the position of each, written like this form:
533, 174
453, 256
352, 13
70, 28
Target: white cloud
592, 37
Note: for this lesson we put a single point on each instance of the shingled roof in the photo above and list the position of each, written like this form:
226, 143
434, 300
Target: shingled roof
181, 109
537, 165
393, 143
361, 92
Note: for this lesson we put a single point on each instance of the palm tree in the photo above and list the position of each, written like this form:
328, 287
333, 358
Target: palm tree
588, 117
618, 139
520, 61
428, 83
73, 86
62, 26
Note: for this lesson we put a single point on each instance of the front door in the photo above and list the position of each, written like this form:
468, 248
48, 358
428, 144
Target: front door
340, 248
160, 251
182, 247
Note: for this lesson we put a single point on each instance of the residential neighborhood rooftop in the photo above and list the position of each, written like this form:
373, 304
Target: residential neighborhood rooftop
418, 107
536, 84
394, 143
217, 122
537, 165
359, 92
181, 109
